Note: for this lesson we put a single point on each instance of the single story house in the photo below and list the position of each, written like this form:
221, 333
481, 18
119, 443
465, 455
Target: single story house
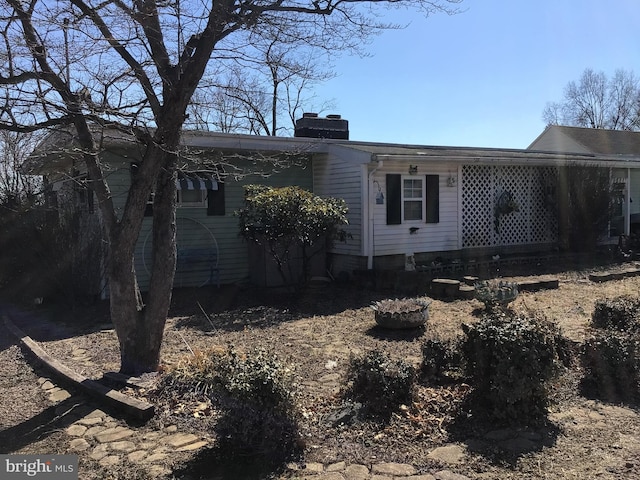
404, 200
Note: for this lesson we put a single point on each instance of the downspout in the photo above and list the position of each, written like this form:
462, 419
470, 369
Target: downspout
371, 242
627, 199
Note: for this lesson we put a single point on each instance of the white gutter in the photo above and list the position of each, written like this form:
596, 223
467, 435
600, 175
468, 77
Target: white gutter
370, 239
526, 158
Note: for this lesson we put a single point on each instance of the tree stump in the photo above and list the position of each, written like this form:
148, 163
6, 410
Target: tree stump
467, 292
445, 287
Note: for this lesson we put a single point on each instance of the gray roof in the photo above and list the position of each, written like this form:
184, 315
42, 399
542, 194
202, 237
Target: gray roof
597, 140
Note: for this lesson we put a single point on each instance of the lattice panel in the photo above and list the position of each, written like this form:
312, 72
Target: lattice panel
530, 187
477, 206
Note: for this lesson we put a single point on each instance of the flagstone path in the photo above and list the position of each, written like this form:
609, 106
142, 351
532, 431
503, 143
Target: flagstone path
110, 441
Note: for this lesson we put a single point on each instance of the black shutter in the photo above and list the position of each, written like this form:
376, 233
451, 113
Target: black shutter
433, 198
394, 199
215, 201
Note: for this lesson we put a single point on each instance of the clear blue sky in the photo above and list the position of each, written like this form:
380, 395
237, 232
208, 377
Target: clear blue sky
483, 77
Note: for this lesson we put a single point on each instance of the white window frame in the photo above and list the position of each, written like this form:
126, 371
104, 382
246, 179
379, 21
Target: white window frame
198, 204
404, 199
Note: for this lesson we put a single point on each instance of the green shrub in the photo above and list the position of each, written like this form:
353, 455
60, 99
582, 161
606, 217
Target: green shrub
260, 417
380, 383
509, 359
611, 361
620, 313
439, 359
255, 393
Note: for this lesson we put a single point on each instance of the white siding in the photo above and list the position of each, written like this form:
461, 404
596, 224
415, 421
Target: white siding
431, 237
339, 177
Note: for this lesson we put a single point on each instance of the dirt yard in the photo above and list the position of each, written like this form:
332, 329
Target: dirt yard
317, 334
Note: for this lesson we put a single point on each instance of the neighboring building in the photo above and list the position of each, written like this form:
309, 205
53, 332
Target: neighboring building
615, 144
425, 201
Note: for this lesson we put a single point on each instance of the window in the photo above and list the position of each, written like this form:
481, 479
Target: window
413, 199
192, 198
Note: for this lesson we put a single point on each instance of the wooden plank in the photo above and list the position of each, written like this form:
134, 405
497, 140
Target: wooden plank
131, 406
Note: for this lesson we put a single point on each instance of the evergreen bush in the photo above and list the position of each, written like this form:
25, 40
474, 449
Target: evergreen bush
380, 383
256, 395
260, 415
509, 358
440, 358
620, 313
611, 361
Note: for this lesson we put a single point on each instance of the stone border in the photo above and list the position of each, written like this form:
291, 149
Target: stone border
599, 277
136, 408
448, 289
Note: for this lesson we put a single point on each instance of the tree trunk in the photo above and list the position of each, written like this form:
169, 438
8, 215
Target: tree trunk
140, 326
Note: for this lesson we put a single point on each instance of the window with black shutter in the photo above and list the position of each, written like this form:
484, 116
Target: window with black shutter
412, 198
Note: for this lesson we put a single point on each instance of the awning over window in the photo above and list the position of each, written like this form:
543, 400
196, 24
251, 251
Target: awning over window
196, 181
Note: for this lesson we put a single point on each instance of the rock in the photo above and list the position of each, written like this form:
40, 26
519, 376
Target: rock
89, 421
137, 456
123, 446
356, 472
451, 454
110, 460
193, 446
79, 445
156, 457
76, 430
346, 415
448, 475
336, 467
314, 467
181, 439
59, 395
100, 452
394, 469
113, 434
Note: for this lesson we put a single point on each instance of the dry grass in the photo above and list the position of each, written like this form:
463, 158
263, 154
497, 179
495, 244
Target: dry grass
318, 334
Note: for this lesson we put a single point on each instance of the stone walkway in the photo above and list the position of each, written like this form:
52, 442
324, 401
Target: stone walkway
109, 441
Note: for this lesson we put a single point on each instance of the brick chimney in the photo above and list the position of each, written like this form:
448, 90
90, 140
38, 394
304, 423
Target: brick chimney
331, 126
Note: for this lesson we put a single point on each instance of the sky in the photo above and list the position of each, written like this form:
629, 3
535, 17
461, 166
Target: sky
480, 78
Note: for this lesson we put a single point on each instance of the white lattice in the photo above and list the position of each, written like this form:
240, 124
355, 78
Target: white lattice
529, 187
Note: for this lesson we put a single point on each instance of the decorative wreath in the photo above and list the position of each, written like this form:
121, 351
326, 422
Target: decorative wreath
505, 205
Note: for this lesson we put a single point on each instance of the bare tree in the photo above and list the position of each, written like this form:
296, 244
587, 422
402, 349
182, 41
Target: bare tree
88, 65
16, 188
266, 90
598, 102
